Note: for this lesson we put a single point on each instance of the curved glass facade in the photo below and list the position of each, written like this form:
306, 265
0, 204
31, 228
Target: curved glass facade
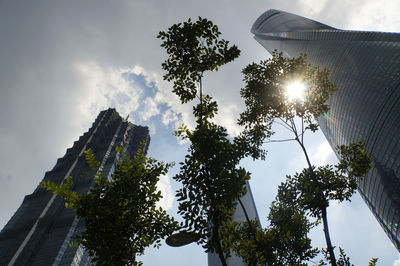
365, 68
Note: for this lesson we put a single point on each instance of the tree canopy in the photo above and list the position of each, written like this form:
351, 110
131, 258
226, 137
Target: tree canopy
267, 102
193, 48
120, 215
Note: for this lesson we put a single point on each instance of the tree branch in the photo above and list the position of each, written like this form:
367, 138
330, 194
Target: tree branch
278, 140
282, 124
294, 126
248, 220
286, 123
302, 130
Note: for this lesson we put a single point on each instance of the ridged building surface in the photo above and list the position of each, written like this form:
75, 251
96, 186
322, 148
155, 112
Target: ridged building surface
40, 231
365, 67
238, 216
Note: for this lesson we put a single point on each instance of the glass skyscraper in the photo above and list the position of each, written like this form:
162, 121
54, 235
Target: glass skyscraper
41, 229
365, 66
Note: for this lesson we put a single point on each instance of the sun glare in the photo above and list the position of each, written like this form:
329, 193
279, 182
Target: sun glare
295, 91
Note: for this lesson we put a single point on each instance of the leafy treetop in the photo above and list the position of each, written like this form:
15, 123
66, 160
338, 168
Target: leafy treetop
193, 48
266, 100
317, 186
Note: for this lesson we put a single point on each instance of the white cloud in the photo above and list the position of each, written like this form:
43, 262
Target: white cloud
376, 15
227, 117
150, 109
164, 185
169, 117
165, 95
396, 262
106, 87
323, 154
313, 7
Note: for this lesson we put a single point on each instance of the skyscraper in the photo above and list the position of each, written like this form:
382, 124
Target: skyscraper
40, 231
238, 216
365, 68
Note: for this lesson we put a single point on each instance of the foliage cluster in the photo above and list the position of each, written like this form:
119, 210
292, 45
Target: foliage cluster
120, 215
193, 48
283, 242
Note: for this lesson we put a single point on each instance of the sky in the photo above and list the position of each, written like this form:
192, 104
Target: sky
62, 62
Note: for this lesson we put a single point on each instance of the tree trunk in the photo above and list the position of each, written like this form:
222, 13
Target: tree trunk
218, 245
323, 210
328, 238
253, 232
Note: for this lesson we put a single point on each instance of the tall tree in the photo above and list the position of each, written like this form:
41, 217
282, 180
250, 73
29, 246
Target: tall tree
120, 215
211, 178
268, 101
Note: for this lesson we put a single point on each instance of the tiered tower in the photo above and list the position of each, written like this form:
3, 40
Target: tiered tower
40, 231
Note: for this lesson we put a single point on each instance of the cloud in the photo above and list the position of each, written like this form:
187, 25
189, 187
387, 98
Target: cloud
150, 109
140, 93
170, 117
164, 185
396, 262
354, 15
376, 15
323, 154
107, 87
227, 117
131, 90
313, 7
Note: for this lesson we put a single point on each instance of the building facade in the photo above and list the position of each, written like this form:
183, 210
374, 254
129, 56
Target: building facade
238, 216
41, 229
365, 67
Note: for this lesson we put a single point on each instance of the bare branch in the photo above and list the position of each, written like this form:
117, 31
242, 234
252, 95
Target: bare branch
283, 124
278, 140
289, 126
294, 126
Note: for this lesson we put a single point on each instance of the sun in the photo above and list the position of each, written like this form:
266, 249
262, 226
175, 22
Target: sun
295, 91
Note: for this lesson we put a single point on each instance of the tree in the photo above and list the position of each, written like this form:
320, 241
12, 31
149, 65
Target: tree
120, 215
284, 242
317, 186
211, 179
267, 102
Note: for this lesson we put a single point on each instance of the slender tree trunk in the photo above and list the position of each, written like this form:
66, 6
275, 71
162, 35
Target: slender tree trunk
215, 225
201, 92
305, 154
323, 211
253, 232
328, 238
201, 98
218, 243
221, 253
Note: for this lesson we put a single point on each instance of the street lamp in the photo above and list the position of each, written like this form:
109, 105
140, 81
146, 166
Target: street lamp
182, 238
